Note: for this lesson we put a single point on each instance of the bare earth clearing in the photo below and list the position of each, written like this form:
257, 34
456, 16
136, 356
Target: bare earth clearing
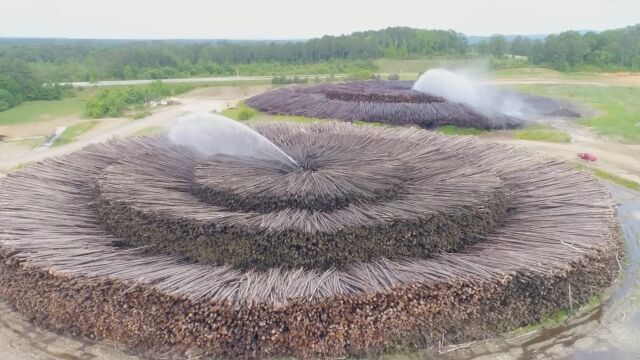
606, 331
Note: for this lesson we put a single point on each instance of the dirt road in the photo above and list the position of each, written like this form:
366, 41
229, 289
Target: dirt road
614, 157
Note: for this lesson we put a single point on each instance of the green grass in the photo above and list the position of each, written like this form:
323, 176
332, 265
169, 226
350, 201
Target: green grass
407, 66
542, 73
399, 66
149, 131
370, 123
456, 130
619, 107
34, 111
605, 175
141, 114
286, 118
72, 132
540, 132
241, 112
17, 167
558, 316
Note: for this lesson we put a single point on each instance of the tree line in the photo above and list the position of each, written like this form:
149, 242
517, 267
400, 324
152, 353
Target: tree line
18, 83
88, 60
617, 49
113, 102
27, 64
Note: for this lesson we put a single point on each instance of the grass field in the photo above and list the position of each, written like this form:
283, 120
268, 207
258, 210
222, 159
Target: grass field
540, 132
542, 74
149, 131
399, 66
73, 131
456, 130
34, 111
619, 107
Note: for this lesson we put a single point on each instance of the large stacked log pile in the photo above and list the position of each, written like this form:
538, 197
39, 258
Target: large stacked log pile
356, 197
522, 237
391, 102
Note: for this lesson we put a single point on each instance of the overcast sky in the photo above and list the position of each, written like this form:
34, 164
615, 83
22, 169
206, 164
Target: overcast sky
287, 19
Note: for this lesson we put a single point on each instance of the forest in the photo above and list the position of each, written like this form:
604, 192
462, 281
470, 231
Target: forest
610, 50
88, 60
27, 64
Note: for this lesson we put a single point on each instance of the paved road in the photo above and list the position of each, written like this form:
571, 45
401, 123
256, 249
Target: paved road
311, 76
189, 80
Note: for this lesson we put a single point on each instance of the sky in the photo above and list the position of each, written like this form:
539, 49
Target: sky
302, 19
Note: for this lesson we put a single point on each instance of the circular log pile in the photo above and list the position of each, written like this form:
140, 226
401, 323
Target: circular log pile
355, 197
390, 102
86, 243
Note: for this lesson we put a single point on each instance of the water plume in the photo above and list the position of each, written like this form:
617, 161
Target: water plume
210, 134
464, 88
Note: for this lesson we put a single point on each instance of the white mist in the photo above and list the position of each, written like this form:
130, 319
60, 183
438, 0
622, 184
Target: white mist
210, 134
463, 88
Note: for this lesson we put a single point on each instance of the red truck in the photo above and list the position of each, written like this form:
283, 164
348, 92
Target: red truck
587, 156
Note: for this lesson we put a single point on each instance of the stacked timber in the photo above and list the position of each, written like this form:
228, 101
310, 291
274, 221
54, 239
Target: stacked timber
378, 239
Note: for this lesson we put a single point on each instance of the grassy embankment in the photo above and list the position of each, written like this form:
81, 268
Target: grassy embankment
243, 112
607, 176
546, 133
535, 132
72, 132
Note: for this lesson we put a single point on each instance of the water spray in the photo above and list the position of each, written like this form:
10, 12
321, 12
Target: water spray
210, 134
463, 88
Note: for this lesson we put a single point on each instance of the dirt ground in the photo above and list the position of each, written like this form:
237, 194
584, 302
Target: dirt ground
20, 340
18, 148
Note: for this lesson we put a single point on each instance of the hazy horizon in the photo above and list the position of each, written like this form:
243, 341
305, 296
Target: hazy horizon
289, 20
283, 39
